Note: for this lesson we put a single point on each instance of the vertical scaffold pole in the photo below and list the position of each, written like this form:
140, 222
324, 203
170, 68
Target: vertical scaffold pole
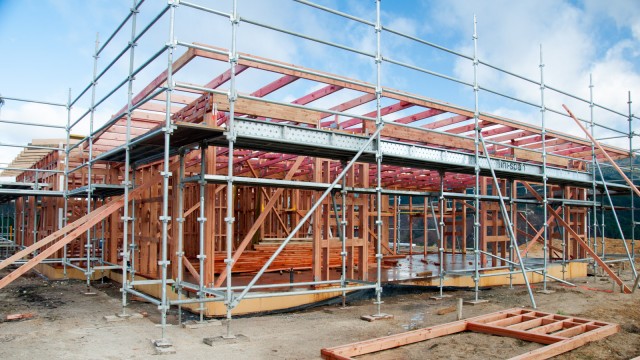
103, 225
340, 229
65, 216
631, 192
378, 60
543, 132
201, 220
126, 183
132, 246
513, 207
441, 238
602, 226
565, 235
35, 218
343, 238
231, 138
90, 159
593, 173
398, 204
180, 220
168, 130
22, 224
476, 141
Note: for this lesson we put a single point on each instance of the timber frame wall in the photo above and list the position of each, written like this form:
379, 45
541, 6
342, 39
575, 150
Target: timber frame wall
192, 184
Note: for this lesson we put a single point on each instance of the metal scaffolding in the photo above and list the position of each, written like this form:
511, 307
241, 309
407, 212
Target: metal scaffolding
180, 147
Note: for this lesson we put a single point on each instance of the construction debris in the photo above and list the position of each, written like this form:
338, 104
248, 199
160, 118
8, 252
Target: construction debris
20, 316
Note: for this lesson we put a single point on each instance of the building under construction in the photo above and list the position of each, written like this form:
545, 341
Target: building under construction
207, 194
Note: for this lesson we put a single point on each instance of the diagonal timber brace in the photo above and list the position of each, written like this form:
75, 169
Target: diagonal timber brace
70, 232
580, 241
606, 190
256, 225
606, 155
266, 195
537, 237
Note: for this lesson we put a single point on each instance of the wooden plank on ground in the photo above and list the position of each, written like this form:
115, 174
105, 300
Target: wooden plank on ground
20, 316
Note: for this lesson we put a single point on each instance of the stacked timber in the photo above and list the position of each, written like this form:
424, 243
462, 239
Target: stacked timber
297, 255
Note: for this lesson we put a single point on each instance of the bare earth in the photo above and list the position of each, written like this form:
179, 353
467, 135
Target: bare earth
70, 325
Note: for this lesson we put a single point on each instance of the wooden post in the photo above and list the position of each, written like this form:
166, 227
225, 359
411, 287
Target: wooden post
410, 225
210, 215
396, 208
326, 226
363, 256
316, 264
425, 228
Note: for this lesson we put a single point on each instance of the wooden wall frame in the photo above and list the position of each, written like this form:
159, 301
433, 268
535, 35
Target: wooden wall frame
560, 333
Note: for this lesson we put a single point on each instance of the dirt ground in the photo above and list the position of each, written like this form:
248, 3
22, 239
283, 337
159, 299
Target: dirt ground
70, 325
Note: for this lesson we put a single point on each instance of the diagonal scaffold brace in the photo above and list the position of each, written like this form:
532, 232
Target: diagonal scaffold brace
507, 219
606, 190
315, 206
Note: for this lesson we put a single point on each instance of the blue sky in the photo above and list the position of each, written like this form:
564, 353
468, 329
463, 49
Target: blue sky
47, 47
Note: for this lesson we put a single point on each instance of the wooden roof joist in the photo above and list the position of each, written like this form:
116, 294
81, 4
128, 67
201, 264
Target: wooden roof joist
28, 157
286, 69
432, 123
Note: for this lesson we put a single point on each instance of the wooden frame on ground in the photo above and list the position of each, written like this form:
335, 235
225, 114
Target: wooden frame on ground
560, 333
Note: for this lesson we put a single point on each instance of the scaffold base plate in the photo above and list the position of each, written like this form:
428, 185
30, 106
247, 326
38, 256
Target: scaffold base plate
375, 317
475, 302
226, 340
546, 292
192, 324
163, 347
123, 317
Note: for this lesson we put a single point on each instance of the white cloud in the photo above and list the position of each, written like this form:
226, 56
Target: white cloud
510, 33
509, 37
